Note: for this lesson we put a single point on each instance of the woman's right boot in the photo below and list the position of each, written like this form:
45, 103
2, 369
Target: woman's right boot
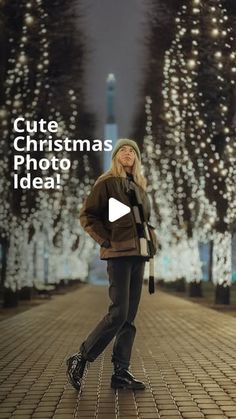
75, 369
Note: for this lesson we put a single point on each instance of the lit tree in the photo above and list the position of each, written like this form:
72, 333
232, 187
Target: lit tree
25, 69
173, 262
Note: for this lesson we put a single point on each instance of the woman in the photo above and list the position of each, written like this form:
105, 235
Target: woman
126, 243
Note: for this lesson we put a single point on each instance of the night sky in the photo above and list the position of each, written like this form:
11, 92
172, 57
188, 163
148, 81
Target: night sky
115, 37
116, 33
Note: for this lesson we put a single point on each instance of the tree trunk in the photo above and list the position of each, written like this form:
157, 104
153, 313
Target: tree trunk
4, 249
25, 293
180, 285
195, 289
10, 298
210, 260
222, 294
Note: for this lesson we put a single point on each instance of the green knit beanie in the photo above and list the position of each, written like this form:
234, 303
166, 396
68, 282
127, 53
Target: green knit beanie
126, 141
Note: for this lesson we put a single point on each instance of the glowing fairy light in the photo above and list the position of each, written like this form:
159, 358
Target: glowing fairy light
215, 32
191, 63
218, 54
29, 20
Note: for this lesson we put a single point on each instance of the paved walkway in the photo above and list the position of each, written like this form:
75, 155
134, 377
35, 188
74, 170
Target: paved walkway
185, 353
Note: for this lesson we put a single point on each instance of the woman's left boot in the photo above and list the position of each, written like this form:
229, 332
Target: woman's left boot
122, 378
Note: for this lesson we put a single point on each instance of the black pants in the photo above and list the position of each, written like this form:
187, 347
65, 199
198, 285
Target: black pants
125, 278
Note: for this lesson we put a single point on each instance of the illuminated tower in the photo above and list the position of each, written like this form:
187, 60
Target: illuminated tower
110, 126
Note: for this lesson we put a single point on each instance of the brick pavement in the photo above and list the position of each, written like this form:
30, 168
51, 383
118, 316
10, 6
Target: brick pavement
184, 352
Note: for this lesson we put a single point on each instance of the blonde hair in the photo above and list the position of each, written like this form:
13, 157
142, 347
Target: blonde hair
117, 170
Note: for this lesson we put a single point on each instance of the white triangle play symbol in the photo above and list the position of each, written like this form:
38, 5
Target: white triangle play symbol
116, 209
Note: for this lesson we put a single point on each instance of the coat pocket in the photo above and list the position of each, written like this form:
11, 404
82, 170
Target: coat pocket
121, 233
122, 237
120, 246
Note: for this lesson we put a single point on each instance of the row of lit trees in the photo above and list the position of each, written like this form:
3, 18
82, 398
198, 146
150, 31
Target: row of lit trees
189, 143
42, 76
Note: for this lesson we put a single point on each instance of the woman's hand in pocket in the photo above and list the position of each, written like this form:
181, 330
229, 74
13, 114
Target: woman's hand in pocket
106, 244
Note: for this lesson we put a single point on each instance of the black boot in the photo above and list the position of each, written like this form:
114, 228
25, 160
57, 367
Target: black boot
76, 366
122, 378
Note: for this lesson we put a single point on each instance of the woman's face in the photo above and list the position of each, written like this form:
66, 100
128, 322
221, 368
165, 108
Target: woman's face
126, 155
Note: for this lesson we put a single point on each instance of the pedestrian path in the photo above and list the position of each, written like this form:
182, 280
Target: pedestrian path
185, 353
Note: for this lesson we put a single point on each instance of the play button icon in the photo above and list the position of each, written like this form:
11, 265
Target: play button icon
116, 209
